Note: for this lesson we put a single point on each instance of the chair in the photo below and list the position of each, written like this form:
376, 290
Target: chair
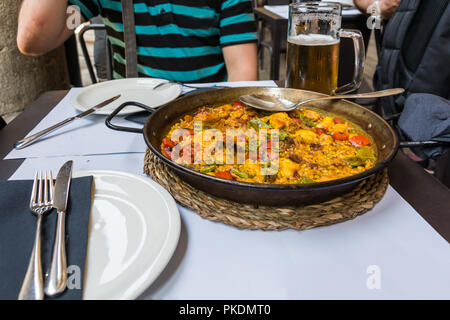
109, 65
2, 123
73, 63
442, 163
274, 45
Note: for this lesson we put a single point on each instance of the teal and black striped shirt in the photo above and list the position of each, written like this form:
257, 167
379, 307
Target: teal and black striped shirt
177, 39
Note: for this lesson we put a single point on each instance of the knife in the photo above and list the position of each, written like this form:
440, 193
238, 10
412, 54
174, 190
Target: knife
55, 283
29, 140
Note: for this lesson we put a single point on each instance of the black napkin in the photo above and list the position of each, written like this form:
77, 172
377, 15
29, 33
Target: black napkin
18, 228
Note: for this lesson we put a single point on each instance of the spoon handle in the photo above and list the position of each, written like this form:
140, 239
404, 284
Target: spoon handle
375, 94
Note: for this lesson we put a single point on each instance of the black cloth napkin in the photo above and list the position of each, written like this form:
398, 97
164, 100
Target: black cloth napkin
18, 229
427, 117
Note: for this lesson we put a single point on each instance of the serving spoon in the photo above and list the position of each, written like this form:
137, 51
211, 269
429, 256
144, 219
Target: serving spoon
277, 104
168, 82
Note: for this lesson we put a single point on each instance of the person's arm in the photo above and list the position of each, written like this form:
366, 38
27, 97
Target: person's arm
238, 40
387, 7
242, 62
362, 5
42, 26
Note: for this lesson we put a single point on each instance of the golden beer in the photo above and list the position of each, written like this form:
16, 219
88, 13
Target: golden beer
312, 62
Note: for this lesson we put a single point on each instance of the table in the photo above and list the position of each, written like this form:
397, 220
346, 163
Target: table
278, 32
422, 191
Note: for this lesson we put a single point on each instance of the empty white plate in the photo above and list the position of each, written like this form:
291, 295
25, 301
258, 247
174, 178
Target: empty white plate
132, 89
133, 231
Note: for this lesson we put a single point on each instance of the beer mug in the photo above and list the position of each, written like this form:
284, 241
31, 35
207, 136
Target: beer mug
314, 32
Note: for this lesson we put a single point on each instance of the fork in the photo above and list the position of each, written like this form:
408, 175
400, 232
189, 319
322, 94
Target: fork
40, 203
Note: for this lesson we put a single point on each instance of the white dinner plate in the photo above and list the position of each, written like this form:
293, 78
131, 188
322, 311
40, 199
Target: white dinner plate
132, 89
133, 232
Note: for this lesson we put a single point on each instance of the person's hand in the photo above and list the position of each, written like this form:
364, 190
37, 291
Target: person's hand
388, 7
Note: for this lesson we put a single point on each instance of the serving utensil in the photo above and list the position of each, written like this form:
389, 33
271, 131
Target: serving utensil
271, 103
56, 280
29, 140
40, 203
186, 85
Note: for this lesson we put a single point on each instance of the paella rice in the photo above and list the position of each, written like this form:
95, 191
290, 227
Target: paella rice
311, 145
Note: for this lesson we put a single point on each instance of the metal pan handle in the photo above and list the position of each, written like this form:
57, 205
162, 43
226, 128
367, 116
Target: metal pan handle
118, 109
412, 144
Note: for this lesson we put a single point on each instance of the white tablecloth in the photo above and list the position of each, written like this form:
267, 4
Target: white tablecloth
388, 253
89, 135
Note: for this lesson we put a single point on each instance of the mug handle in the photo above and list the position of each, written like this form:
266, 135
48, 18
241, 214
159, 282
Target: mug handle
358, 44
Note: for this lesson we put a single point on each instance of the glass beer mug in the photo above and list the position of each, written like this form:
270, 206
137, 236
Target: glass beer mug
314, 32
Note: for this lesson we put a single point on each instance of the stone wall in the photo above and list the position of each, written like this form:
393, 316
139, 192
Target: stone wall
23, 78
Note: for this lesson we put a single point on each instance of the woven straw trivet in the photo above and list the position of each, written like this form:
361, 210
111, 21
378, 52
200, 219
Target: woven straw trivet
246, 216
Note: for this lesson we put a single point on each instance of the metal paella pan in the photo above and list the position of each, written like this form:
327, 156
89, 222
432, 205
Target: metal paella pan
160, 121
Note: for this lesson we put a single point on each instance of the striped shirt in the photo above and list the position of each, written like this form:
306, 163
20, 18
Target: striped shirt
177, 39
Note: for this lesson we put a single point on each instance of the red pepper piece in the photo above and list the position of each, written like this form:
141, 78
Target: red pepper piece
167, 152
359, 141
168, 143
340, 136
297, 120
224, 175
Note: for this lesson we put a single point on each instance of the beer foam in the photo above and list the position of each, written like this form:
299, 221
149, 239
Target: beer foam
312, 40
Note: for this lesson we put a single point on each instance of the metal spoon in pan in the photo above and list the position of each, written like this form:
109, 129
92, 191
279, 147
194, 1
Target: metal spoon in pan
168, 82
277, 104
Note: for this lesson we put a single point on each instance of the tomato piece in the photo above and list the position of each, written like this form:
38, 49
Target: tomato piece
237, 104
167, 152
340, 136
224, 175
320, 131
297, 120
168, 143
359, 141
337, 120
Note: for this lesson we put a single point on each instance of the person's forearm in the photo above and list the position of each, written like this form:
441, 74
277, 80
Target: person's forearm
245, 73
42, 26
242, 62
386, 8
362, 5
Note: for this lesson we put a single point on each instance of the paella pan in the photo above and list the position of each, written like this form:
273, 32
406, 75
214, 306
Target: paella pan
382, 139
